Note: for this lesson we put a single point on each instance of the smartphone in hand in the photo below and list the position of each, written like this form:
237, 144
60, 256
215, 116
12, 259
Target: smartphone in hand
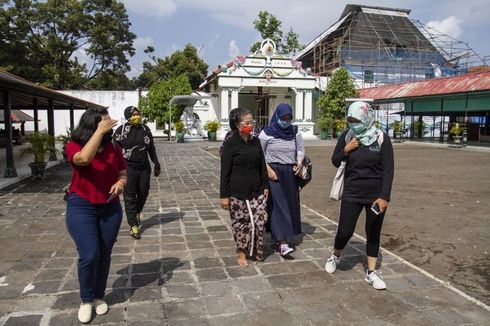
111, 197
375, 209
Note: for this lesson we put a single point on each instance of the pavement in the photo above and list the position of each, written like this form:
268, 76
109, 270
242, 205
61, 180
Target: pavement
184, 272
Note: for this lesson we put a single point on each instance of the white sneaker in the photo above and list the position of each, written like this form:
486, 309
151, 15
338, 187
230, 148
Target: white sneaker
331, 264
101, 307
375, 280
284, 249
85, 312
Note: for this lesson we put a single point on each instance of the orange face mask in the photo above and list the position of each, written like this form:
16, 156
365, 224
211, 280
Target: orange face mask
247, 130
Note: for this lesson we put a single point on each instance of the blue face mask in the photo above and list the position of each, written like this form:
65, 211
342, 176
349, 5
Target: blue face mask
357, 127
283, 124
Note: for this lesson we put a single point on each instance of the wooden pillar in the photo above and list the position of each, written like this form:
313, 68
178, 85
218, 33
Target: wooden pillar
10, 171
36, 114
72, 118
52, 157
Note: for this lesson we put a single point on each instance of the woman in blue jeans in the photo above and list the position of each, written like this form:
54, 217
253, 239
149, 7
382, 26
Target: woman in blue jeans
93, 212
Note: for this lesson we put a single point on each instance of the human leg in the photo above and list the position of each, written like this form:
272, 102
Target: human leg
130, 195
109, 222
349, 214
373, 234
241, 228
81, 222
260, 218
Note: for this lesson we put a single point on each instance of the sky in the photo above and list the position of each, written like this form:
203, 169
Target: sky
223, 29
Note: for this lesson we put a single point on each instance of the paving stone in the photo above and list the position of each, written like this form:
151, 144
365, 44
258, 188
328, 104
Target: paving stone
217, 305
23, 320
185, 309
182, 291
261, 300
219, 288
207, 262
251, 284
212, 274
144, 311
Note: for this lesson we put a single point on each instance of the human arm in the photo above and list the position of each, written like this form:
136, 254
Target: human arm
153, 156
387, 173
264, 175
89, 150
225, 175
300, 153
342, 150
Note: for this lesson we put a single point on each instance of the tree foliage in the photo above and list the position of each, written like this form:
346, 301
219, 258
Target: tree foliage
155, 105
269, 26
332, 103
65, 44
181, 62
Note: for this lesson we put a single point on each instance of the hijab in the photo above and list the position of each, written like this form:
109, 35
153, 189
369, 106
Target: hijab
365, 131
274, 129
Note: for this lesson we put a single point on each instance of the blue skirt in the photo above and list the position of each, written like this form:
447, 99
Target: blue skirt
283, 204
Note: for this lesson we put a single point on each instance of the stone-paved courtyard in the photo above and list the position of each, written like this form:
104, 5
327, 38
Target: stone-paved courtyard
183, 271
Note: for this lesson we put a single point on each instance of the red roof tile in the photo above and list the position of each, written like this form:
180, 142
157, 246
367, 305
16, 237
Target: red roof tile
459, 84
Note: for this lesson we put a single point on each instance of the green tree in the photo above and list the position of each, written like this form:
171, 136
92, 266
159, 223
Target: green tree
155, 105
332, 102
269, 26
181, 62
64, 44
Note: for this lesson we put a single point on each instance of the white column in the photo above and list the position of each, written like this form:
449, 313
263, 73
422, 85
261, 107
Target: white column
224, 104
308, 105
298, 109
234, 98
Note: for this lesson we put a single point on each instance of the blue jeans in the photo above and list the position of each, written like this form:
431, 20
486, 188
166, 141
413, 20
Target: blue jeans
94, 230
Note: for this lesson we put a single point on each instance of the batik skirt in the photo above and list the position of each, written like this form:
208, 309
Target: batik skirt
248, 219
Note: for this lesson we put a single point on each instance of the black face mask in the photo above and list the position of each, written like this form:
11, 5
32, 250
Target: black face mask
107, 138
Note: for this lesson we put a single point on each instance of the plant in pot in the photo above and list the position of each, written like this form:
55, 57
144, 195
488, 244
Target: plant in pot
419, 127
456, 132
324, 123
397, 129
42, 145
212, 127
340, 126
179, 131
64, 139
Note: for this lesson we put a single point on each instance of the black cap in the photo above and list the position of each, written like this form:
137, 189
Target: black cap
128, 112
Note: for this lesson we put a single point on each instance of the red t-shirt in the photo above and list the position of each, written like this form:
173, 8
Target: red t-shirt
94, 181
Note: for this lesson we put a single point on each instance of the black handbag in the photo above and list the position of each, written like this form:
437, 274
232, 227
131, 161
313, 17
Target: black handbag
304, 177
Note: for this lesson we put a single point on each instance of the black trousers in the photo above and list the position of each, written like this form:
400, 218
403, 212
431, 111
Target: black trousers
136, 192
349, 214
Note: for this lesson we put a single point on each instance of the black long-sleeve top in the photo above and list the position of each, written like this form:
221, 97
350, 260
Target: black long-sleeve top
369, 170
137, 144
243, 169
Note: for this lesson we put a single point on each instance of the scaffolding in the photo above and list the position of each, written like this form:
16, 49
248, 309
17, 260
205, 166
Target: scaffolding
379, 48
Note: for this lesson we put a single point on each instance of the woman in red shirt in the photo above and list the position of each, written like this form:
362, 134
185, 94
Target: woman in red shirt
93, 212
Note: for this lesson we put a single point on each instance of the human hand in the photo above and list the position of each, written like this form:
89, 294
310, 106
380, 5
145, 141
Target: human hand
351, 146
225, 203
156, 171
382, 204
266, 194
297, 168
106, 124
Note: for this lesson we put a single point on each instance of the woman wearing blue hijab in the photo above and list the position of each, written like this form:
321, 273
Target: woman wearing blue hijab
284, 151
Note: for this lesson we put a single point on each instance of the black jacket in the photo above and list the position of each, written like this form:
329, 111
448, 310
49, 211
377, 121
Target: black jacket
243, 169
368, 172
137, 144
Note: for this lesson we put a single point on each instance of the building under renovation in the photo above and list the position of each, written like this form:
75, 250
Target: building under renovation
380, 45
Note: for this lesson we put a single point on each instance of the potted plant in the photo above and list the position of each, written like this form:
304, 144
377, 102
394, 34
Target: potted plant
212, 127
324, 123
456, 132
179, 131
42, 145
64, 139
418, 128
340, 126
397, 129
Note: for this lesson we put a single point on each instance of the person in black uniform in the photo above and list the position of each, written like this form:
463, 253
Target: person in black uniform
367, 185
136, 140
